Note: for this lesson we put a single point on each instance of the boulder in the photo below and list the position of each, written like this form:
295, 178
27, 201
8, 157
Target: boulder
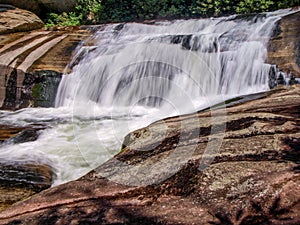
18, 20
174, 172
26, 135
14, 135
7, 132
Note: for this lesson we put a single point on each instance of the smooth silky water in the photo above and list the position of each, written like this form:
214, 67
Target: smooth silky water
135, 74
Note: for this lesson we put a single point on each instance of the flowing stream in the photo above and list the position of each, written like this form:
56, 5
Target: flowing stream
134, 74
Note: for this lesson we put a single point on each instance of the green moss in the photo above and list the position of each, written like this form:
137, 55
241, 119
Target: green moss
37, 91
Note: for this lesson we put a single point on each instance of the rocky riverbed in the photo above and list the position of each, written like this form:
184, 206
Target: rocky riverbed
226, 165
252, 178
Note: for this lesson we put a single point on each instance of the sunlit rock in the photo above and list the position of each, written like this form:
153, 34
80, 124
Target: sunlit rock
18, 20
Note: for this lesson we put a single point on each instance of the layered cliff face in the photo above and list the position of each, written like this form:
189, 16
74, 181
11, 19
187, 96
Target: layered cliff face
32, 62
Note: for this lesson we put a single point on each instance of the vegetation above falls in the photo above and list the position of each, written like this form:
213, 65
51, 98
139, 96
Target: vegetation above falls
103, 11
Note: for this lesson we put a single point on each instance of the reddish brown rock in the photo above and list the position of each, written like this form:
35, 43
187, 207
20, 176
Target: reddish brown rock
14, 135
251, 178
19, 181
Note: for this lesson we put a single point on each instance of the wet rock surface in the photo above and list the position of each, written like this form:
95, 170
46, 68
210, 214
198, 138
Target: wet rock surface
285, 44
14, 135
20, 180
250, 177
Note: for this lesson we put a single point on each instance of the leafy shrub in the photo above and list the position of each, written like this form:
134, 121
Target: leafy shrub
86, 12
64, 19
101, 11
254, 6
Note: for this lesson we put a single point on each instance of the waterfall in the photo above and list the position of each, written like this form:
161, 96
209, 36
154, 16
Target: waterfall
176, 63
129, 75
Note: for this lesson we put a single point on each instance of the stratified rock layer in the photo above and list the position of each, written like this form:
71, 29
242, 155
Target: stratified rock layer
251, 176
33, 61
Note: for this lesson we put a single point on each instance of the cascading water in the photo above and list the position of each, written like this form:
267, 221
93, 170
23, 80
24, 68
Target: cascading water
137, 73
171, 61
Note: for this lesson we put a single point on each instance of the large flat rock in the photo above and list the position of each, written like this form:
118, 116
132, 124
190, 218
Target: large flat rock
174, 172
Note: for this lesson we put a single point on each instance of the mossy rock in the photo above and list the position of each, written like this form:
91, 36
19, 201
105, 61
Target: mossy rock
45, 89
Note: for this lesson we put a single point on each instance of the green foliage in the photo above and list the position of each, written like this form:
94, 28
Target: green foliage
100, 11
64, 19
226, 7
89, 10
86, 12
118, 11
287, 3
152, 9
254, 6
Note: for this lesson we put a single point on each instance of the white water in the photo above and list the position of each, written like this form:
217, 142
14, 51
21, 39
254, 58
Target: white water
137, 75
